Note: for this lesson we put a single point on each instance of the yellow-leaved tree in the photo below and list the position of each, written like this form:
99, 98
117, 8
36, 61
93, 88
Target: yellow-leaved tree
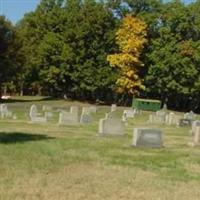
131, 39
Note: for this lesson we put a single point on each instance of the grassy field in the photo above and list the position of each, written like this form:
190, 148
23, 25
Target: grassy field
71, 162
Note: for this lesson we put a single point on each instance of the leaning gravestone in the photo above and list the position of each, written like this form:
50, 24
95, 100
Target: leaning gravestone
35, 116
111, 126
147, 137
4, 112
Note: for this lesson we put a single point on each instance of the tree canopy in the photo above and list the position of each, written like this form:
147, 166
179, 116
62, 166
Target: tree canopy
61, 48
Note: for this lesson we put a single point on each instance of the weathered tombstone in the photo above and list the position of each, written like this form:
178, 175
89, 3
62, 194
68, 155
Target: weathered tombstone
46, 108
185, 122
154, 119
196, 137
129, 113
85, 118
48, 114
113, 107
195, 124
35, 116
147, 137
190, 115
124, 117
67, 118
74, 111
93, 109
161, 114
111, 126
85, 115
4, 112
172, 119
86, 110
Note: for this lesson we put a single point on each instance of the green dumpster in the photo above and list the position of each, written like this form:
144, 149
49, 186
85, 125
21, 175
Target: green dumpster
146, 104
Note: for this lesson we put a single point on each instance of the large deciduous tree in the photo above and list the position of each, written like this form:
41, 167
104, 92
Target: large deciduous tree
131, 39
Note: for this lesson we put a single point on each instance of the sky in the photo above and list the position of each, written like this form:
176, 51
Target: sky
15, 9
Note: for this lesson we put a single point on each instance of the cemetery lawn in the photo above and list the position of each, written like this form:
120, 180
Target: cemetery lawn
47, 161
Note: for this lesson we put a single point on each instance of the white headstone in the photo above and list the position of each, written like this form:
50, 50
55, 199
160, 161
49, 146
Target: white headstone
113, 107
195, 124
196, 137
147, 137
129, 113
4, 112
35, 116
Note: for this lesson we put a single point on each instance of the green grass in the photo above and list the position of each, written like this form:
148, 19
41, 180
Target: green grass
40, 161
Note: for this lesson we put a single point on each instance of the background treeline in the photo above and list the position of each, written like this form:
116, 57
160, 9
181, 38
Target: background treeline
61, 49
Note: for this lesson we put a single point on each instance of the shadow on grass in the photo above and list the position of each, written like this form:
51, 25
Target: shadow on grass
10, 138
27, 100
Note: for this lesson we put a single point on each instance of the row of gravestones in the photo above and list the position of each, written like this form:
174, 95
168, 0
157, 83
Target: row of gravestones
65, 118
111, 125
172, 118
144, 137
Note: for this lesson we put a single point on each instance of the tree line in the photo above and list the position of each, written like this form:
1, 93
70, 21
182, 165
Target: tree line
65, 48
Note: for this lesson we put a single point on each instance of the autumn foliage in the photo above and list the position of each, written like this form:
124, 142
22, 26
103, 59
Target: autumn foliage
131, 39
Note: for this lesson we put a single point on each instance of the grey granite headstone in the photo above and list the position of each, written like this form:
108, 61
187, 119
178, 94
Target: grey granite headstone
111, 126
67, 118
147, 137
85, 118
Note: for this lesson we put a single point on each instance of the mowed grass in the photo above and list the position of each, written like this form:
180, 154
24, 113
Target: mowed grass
47, 161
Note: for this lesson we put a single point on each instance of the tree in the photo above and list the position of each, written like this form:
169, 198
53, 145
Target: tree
131, 39
8, 52
173, 57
